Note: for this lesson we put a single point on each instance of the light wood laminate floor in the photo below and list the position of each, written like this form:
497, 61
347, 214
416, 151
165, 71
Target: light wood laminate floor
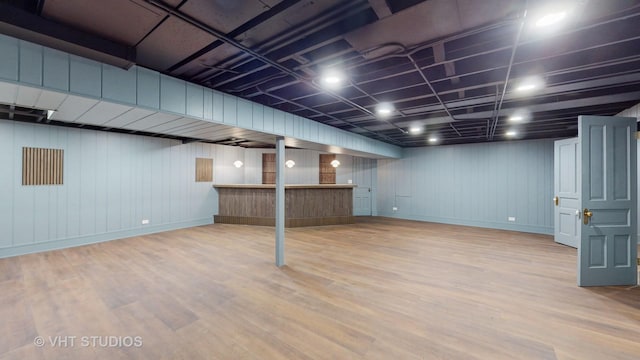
379, 289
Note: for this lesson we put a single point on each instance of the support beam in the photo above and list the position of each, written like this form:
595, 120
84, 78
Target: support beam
280, 201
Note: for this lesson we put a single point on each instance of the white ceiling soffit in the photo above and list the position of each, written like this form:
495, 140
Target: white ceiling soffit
79, 110
429, 20
72, 108
128, 117
102, 113
178, 123
152, 120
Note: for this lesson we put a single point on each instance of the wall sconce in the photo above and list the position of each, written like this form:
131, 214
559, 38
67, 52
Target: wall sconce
335, 163
290, 163
238, 164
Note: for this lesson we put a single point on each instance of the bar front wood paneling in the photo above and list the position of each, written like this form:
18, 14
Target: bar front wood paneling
305, 205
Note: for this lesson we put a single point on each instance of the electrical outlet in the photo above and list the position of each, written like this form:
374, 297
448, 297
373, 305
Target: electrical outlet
145, 222
512, 218
395, 208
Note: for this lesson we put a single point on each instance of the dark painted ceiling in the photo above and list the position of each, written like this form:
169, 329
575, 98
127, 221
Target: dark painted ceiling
449, 67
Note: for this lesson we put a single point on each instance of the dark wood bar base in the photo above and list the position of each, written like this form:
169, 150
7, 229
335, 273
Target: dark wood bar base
300, 222
305, 205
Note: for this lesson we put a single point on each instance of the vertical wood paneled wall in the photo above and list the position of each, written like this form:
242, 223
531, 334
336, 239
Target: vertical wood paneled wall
42, 166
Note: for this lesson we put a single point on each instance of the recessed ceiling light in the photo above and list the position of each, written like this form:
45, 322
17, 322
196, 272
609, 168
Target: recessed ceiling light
516, 118
511, 133
433, 139
529, 84
384, 109
526, 87
332, 79
551, 19
415, 129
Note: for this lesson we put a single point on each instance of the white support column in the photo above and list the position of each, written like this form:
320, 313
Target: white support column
280, 159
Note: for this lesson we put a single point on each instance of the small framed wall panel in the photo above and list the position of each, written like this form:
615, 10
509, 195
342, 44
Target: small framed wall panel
42, 166
327, 171
204, 170
268, 168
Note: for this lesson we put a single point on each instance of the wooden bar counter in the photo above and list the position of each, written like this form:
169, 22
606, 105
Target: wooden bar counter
305, 205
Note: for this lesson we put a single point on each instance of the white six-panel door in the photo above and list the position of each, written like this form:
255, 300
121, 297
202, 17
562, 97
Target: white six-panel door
567, 191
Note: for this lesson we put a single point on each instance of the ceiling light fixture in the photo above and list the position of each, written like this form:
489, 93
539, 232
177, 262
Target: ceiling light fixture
516, 118
551, 19
384, 109
290, 163
332, 79
526, 87
415, 129
335, 163
433, 139
511, 133
238, 163
529, 84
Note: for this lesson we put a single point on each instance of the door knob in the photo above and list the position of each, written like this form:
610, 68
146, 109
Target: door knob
556, 200
586, 215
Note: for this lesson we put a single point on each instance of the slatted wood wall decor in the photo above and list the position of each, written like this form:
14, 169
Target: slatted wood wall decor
42, 166
268, 168
204, 170
327, 172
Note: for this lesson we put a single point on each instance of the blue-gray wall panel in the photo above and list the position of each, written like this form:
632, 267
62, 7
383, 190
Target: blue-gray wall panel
148, 91
102, 173
207, 104
218, 106
195, 100
30, 63
230, 109
8, 58
478, 184
113, 187
111, 182
258, 116
7, 181
268, 119
172, 94
245, 113
73, 181
24, 197
289, 129
85, 77
119, 84
88, 173
278, 122
55, 69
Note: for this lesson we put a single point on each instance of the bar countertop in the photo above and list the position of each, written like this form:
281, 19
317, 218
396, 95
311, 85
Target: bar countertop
286, 186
